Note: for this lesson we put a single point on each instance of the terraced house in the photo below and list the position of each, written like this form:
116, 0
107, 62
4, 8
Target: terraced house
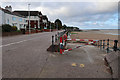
35, 18
12, 18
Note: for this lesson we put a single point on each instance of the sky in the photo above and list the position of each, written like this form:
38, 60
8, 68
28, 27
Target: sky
93, 14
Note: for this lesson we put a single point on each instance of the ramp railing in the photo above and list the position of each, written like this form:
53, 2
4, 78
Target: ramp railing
108, 45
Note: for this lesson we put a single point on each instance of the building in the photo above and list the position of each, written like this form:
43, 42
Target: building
20, 19
45, 23
35, 18
12, 18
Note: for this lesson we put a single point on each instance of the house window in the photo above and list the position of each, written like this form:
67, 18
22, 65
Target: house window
14, 18
7, 21
20, 19
34, 16
35, 26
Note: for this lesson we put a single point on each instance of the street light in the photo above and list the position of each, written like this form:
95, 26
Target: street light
29, 16
50, 26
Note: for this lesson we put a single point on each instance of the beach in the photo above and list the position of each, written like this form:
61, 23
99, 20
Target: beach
96, 35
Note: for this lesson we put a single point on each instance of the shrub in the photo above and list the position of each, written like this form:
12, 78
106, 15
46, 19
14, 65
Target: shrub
14, 28
6, 28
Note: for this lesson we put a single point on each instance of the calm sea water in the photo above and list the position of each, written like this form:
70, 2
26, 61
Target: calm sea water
112, 31
109, 31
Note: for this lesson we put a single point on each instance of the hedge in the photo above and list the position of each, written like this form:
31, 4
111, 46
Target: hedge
8, 28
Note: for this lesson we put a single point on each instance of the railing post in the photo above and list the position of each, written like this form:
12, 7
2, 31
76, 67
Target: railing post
100, 44
103, 44
52, 43
58, 34
108, 46
115, 45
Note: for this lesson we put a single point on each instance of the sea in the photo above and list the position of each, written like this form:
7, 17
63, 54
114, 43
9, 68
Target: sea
111, 31
107, 31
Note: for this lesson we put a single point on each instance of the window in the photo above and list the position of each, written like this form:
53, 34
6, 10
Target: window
20, 19
34, 16
7, 21
14, 18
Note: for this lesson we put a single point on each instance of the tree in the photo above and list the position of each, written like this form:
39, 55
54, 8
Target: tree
58, 24
64, 26
52, 26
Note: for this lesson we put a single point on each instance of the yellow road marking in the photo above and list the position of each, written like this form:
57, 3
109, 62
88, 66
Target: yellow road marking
82, 65
74, 64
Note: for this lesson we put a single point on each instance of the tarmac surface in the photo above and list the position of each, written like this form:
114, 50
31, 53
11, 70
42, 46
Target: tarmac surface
25, 56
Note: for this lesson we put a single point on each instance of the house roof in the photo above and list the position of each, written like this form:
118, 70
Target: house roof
45, 17
32, 13
12, 13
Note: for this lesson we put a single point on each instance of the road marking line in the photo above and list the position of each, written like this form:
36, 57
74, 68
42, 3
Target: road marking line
16, 42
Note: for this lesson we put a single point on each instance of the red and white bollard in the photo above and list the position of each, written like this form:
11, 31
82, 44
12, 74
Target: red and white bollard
61, 45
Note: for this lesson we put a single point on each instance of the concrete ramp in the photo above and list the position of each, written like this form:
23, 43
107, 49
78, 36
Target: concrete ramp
84, 62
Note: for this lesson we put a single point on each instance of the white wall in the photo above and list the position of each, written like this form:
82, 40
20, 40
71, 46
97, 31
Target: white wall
2, 17
8, 19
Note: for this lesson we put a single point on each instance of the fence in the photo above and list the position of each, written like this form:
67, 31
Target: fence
108, 45
61, 39
56, 39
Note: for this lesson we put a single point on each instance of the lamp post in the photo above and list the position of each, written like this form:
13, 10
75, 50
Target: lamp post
29, 17
50, 26
57, 25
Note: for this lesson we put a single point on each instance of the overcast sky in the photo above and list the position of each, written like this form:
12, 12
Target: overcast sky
85, 15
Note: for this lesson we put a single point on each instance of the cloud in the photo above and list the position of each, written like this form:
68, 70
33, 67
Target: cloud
74, 13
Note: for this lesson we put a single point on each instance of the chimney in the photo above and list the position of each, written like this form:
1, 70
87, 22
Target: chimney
9, 8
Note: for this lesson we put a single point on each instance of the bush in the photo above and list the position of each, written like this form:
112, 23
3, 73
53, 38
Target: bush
14, 28
6, 28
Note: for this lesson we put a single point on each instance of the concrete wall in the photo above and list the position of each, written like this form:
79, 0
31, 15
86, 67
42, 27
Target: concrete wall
113, 59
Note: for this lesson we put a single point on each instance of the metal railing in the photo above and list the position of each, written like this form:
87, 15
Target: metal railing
56, 38
108, 45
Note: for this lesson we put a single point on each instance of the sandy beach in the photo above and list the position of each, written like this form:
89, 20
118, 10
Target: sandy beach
94, 35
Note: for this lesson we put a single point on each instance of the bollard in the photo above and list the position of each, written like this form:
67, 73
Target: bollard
115, 45
103, 44
100, 44
107, 45
52, 43
61, 45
